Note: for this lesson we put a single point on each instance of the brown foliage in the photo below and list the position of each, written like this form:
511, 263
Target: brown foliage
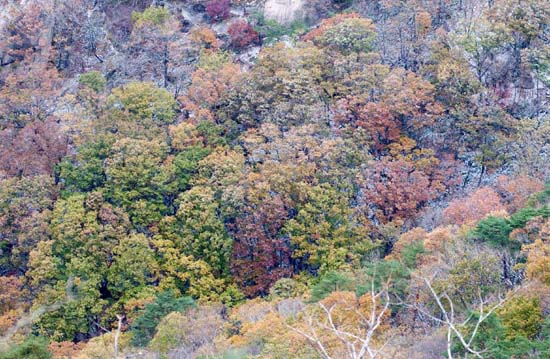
398, 188
10, 294
473, 207
34, 150
65, 350
20, 39
515, 191
205, 37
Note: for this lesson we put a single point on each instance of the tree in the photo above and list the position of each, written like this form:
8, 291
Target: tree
10, 302
203, 234
31, 92
32, 348
521, 317
242, 34
344, 32
349, 35
34, 150
455, 321
218, 10
345, 326
25, 212
329, 283
71, 270
259, 257
492, 341
186, 165
516, 191
133, 267
156, 50
84, 170
398, 188
94, 80
538, 259
144, 326
138, 180
21, 35
141, 110
190, 333
208, 88
323, 234
283, 88
474, 207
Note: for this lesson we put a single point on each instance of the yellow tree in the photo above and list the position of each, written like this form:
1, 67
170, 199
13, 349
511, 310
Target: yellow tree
346, 326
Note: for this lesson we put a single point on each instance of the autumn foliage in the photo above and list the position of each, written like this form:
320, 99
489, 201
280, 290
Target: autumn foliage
218, 10
476, 206
242, 34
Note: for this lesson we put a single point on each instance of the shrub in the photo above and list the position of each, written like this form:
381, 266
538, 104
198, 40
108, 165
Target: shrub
218, 10
93, 80
242, 34
271, 31
32, 348
152, 15
204, 37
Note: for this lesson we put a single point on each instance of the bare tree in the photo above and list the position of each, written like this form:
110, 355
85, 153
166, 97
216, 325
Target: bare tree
353, 322
445, 314
117, 333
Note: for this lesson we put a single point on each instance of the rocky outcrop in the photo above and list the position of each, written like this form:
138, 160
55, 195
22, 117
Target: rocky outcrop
284, 11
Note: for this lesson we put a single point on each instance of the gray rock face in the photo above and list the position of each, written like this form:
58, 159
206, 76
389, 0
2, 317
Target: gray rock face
284, 11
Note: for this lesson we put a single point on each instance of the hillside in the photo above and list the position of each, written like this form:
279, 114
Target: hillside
274, 179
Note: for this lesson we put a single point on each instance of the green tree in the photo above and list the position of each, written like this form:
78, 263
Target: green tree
133, 267
32, 348
25, 210
495, 230
93, 80
84, 171
203, 233
521, 317
140, 110
323, 234
138, 180
494, 343
186, 165
143, 328
331, 282
71, 270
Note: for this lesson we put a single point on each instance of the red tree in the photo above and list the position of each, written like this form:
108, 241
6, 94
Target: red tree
397, 188
218, 10
259, 256
242, 34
